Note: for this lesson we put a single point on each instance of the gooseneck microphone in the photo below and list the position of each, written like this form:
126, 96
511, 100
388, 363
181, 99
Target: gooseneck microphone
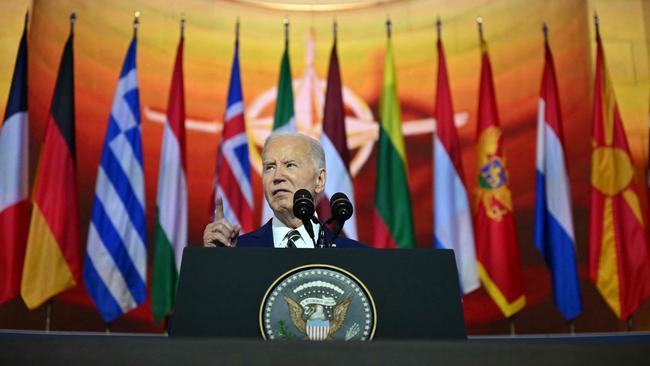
303, 208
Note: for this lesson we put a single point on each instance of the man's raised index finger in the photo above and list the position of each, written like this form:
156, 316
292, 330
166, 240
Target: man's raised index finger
218, 209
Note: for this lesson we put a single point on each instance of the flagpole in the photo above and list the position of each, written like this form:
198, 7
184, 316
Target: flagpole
388, 27
545, 31
511, 325
237, 32
629, 323
438, 27
182, 26
48, 315
479, 23
335, 30
73, 19
26, 20
136, 23
286, 33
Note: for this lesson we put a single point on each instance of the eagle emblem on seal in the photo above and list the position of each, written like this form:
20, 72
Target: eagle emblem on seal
310, 317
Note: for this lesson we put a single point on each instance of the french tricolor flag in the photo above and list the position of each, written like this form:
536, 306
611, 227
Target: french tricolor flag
553, 219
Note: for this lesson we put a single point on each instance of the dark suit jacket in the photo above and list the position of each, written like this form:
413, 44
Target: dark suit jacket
263, 237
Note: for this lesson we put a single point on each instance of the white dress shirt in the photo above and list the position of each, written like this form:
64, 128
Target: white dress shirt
280, 231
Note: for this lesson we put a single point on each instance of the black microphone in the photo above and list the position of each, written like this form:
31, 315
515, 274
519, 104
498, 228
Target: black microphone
342, 210
341, 207
303, 208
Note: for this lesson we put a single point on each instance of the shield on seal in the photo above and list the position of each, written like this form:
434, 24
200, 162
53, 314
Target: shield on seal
317, 330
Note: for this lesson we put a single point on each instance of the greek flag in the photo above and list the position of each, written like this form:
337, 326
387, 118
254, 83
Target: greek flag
116, 261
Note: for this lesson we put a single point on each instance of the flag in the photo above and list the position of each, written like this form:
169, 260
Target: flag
453, 215
115, 267
496, 244
53, 254
233, 175
553, 220
171, 203
393, 220
334, 142
284, 117
14, 184
618, 252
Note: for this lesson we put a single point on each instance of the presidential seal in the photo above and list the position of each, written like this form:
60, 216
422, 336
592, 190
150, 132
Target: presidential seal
318, 302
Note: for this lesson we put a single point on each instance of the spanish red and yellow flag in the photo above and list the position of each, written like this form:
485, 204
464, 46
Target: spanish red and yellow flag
496, 243
53, 258
618, 251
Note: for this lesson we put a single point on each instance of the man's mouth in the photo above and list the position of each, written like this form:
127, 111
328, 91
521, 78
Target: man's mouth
280, 191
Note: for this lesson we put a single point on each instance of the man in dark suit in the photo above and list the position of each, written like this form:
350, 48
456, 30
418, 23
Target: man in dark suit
290, 161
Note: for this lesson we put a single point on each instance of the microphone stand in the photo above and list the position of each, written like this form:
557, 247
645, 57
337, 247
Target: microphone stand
322, 239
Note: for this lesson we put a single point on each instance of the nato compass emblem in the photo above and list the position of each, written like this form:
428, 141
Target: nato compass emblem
318, 302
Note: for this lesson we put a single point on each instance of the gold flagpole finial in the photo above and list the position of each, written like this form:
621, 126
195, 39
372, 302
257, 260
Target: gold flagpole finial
479, 22
389, 26
136, 23
182, 26
286, 31
73, 19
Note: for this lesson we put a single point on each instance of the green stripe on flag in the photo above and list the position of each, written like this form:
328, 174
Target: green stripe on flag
284, 112
392, 197
163, 289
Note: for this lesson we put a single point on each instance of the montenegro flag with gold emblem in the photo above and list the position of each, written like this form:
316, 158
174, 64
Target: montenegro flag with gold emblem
618, 251
53, 255
496, 243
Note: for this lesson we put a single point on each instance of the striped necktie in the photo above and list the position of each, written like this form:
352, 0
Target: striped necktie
292, 238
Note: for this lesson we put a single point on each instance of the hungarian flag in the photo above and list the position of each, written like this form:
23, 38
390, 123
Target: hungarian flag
553, 216
334, 141
284, 117
453, 215
496, 244
392, 220
53, 255
14, 185
170, 235
233, 173
618, 252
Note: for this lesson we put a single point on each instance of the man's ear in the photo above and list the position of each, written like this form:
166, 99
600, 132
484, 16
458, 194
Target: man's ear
320, 181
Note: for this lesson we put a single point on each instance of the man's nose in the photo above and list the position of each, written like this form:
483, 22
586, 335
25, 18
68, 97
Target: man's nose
278, 175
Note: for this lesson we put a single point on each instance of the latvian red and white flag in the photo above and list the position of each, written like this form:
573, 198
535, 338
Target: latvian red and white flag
335, 144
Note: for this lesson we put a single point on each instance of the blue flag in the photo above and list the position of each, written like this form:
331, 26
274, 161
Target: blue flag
115, 267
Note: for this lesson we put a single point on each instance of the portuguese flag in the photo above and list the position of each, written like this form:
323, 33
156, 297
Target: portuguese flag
496, 244
170, 236
393, 220
618, 252
53, 254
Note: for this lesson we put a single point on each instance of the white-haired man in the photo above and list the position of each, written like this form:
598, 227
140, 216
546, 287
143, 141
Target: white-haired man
290, 161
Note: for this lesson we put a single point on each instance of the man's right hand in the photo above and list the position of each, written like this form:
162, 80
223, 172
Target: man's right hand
220, 232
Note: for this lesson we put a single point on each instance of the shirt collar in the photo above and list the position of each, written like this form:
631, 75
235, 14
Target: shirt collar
280, 231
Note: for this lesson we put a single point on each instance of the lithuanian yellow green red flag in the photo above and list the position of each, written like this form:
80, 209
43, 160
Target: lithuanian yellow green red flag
393, 220
618, 252
496, 243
